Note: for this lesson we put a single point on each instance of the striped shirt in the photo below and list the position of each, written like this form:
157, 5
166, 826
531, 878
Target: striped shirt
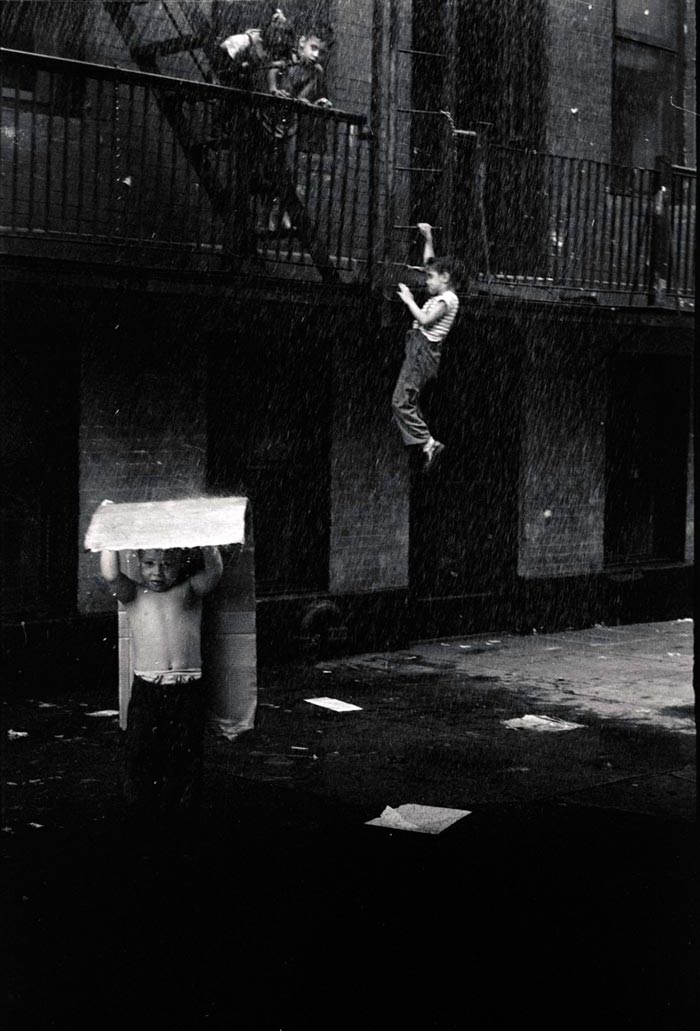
439, 330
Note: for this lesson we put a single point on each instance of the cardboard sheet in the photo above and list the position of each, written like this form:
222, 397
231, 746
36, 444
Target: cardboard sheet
335, 704
187, 523
421, 819
541, 723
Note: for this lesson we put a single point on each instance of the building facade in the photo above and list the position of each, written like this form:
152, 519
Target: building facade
198, 289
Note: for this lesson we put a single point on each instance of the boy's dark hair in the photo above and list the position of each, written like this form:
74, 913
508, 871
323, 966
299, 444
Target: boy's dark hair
446, 263
181, 551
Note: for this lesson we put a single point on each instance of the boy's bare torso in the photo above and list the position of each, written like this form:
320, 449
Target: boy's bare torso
165, 628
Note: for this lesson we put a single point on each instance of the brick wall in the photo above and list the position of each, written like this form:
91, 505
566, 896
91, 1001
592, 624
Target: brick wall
562, 454
690, 496
143, 418
580, 85
369, 472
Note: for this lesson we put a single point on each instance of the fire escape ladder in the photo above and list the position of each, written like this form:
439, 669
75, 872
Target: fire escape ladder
201, 154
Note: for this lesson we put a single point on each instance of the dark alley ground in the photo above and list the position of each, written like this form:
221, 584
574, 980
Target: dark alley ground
568, 893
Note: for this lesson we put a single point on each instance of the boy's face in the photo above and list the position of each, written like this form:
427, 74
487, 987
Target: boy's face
161, 569
310, 49
436, 282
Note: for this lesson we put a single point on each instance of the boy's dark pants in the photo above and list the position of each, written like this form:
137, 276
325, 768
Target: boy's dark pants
164, 748
419, 367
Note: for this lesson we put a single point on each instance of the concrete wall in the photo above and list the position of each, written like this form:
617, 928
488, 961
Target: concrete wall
562, 454
580, 86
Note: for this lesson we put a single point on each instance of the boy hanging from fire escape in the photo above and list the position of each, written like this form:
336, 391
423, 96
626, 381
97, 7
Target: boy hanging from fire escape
423, 346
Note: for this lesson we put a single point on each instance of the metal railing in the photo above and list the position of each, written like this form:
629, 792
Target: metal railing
141, 169
147, 169
545, 220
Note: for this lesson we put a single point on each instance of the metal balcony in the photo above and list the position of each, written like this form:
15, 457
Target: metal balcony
134, 169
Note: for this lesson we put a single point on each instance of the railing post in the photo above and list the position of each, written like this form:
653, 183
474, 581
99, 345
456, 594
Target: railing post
660, 238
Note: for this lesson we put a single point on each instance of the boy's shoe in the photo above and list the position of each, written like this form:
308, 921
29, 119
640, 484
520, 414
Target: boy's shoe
432, 453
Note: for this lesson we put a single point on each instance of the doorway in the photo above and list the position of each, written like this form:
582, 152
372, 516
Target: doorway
646, 459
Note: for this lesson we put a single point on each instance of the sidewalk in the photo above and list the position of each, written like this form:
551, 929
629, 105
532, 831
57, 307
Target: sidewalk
568, 890
432, 723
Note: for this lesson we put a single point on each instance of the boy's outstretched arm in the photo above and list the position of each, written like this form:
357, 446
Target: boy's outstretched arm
426, 231
206, 579
123, 588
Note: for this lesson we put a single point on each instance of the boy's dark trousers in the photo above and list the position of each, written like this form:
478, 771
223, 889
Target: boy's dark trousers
419, 367
164, 749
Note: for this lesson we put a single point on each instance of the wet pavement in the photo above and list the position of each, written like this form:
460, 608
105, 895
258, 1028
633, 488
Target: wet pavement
568, 891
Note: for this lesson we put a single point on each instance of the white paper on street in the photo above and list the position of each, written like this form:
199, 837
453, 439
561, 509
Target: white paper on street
103, 712
541, 723
421, 819
335, 704
186, 523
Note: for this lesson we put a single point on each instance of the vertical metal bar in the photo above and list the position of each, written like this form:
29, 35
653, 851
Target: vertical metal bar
355, 192
612, 279
142, 155
172, 204
161, 102
32, 162
49, 147
216, 214
593, 187
677, 229
66, 147
344, 191
557, 163
629, 195
578, 250
97, 156
376, 107
572, 226
15, 161
641, 224
690, 235
603, 227
135, 181
331, 185
293, 174
205, 134
321, 172
390, 162
114, 165
187, 188
307, 194
228, 192
585, 277
284, 142
81, 171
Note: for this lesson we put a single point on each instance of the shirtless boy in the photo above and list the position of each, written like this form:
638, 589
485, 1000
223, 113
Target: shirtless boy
166, 714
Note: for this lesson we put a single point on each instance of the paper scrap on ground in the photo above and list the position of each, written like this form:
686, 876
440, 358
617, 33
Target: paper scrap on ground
541, 723
335, 704
422, 819
103, 712
187, 523
14, 734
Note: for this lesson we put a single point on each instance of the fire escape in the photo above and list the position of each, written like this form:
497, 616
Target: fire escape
195, 35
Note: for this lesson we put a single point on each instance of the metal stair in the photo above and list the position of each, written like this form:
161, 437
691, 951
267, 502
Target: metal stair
195, 35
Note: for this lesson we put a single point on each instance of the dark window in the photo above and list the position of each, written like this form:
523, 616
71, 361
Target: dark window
647, 75
49, 28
